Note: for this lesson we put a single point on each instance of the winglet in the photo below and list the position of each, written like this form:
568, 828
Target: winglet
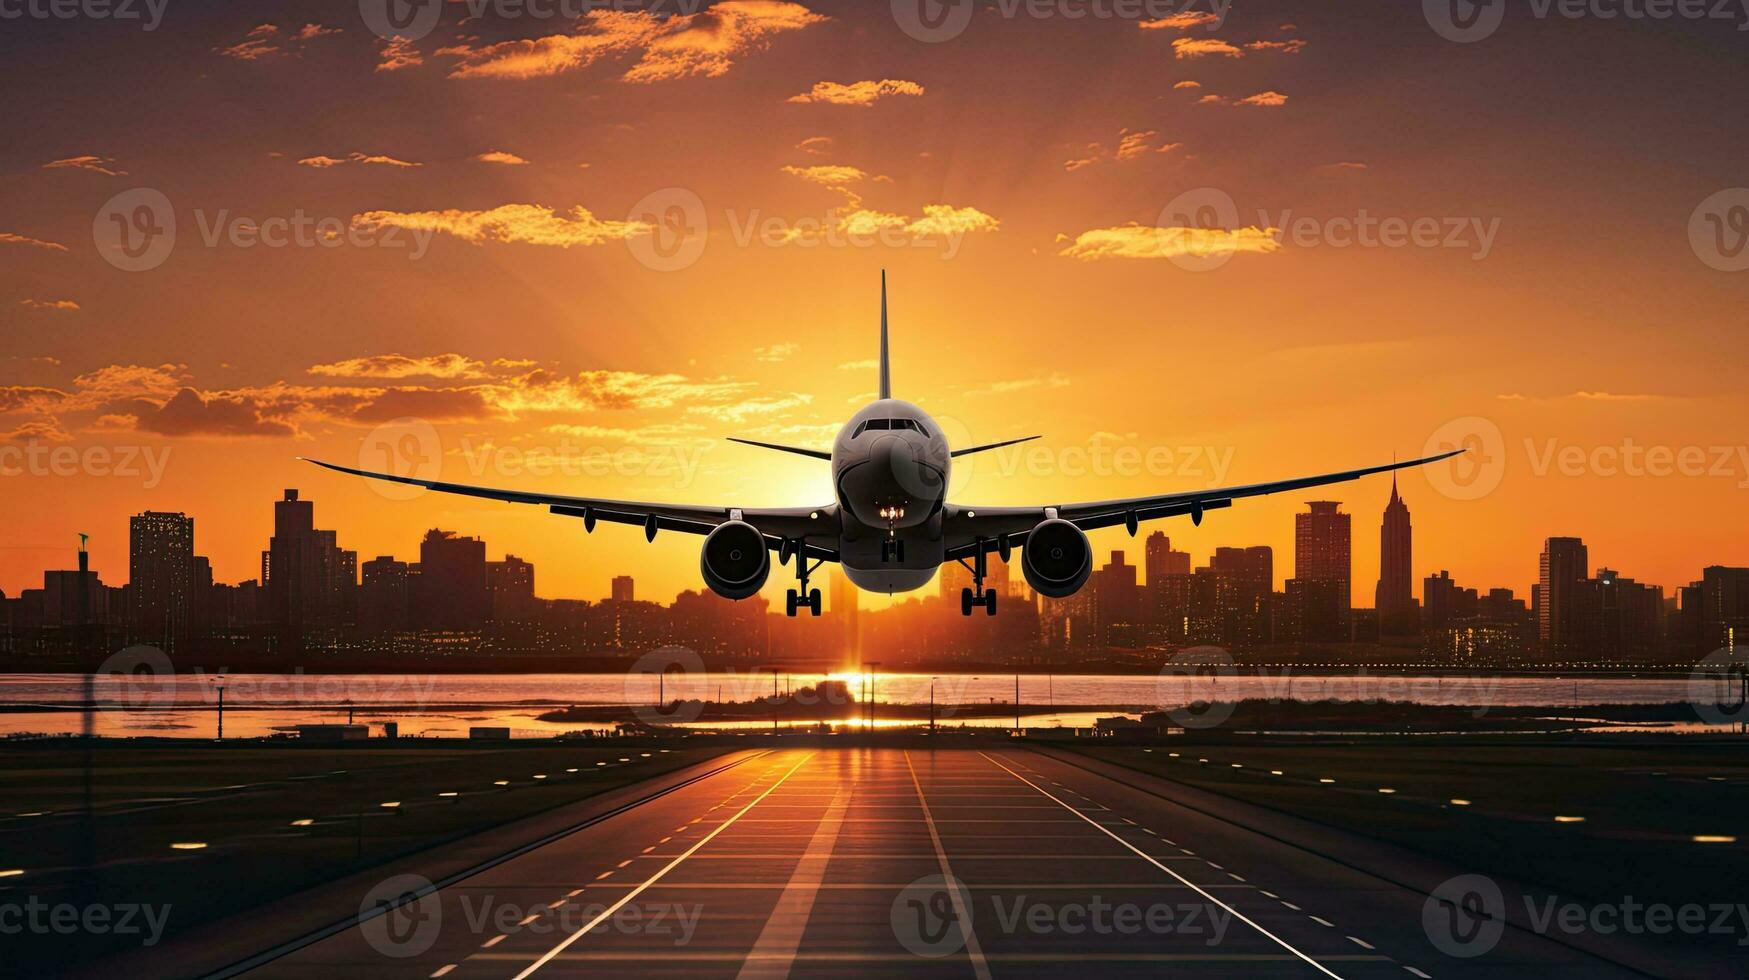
886, 371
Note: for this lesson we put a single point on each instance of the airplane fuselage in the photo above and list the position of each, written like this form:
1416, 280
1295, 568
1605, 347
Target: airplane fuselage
890, 469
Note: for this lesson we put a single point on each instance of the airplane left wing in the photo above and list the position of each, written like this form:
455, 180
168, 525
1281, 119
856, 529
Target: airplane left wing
817, 526
965, 526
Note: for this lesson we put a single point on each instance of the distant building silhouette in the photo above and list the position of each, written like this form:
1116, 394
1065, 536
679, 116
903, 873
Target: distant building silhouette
1563, 564
510, 584
1394, 597
1322, 565
312, 585
385, 595
450, 592
622, 588
1159, 560
161, 579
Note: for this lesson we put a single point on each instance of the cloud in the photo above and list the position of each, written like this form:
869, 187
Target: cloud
1143, 242
324, 162
815, 145
1132, 144
1270, 99
947, 220
1187, 83
1340, 166
706, 43
258, 43
191, 413
1292, 46
1053, 380
775, 352
856, 220
394, 366
735, 413
91, 162
309, 32
863, 93
655, 434
1202, 47
1180, 22
867, 364
1610, 396
398, 53
39, 430
531, 224
9, 238
48, 304
499, 156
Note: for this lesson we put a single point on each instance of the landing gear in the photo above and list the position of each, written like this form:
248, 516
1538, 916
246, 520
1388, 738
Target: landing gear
977, 595
803, 597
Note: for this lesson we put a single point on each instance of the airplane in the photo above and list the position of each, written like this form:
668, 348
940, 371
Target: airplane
890, 525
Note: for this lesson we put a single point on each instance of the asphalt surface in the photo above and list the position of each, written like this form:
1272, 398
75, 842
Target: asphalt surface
868, 862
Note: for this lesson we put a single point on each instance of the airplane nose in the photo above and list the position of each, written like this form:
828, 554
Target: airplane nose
892, 486
898, 463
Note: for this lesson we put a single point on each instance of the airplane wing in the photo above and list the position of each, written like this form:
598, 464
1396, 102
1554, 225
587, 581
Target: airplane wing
817, 526
965, 526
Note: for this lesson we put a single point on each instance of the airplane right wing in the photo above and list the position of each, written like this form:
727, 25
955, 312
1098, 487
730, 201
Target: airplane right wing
965, 527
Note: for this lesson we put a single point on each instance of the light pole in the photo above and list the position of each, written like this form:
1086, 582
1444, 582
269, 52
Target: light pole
872, 692
1017, 702
219, 681
932, 681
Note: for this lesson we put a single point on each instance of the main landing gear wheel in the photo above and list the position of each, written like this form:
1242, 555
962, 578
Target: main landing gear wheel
795, 602
970, 600
803, 597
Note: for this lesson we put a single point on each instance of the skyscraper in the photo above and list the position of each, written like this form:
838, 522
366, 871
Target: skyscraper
1322, 549
1562, 566
622, 588
161, 577
510, 584
1159, 560
451, 592
1394, 597
311, 583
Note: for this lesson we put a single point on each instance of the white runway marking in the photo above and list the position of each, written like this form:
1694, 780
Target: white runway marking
775, 951
980, 966
1235, 913
608, 912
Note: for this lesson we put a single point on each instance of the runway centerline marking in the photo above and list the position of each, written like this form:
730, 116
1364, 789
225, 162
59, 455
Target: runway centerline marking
980, 966
608, 912
1235, 913
774, 952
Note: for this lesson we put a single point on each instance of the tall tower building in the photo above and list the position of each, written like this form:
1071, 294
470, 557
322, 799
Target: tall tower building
1394, 597
161, 576
1322, 552
1159, 560
451, 592
622, 588
1562, 566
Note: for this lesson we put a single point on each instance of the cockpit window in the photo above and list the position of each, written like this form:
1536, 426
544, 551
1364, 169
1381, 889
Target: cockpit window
887, 424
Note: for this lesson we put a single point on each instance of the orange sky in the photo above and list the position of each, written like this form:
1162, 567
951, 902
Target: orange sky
482, 238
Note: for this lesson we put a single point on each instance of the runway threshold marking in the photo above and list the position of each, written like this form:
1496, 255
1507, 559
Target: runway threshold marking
774, 952
1235, 913
608, 912
980, 966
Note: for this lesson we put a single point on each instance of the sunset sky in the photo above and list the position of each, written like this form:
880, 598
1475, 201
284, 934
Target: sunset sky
616, 240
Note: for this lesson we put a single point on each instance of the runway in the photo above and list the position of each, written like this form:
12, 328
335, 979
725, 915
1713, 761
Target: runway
945, 863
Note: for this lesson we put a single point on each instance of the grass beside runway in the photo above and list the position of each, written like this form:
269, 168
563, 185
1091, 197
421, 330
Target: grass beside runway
1590, 822
207, 831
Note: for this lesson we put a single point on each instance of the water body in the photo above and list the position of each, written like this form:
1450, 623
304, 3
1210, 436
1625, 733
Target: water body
185, 705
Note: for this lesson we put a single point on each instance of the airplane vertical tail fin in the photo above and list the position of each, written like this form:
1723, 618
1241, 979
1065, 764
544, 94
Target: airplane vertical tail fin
886, 371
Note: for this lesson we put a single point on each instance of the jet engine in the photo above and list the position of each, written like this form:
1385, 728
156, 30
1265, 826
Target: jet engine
1057, 558
735, 560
